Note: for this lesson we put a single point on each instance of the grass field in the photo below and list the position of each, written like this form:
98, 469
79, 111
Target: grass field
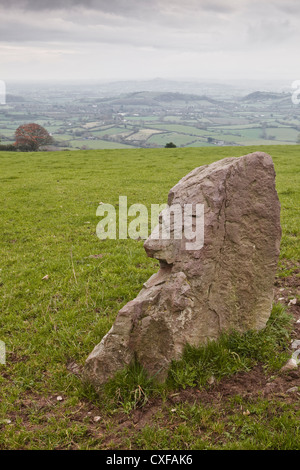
61, 288
95, 144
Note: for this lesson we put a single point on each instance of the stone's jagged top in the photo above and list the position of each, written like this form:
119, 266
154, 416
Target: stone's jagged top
197, 294
201, 172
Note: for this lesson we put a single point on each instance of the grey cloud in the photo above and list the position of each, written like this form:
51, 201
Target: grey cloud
75, 34
168, 28
37, 5
140, 8
290, 7
208, 35
117, 6
123, 7
270, 32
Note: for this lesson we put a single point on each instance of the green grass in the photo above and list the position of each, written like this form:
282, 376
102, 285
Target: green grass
48, 227
180, 128
235, 352
96, 144
244, 135
263, 425
110, 131
177, 139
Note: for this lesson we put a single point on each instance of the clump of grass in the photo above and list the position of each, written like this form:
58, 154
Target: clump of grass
131, 388
235, 352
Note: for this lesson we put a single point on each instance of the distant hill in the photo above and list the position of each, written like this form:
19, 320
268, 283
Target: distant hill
14, 98
168, 97
150, 98
265, 96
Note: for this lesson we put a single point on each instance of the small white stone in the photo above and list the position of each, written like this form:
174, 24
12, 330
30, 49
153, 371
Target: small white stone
293, 302
59, 398
97, 419
295, 356
290, 365
292, 390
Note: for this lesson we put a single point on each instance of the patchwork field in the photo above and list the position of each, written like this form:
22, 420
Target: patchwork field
150, 119
61, 288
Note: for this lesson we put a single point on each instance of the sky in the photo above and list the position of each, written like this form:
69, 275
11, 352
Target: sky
146, 39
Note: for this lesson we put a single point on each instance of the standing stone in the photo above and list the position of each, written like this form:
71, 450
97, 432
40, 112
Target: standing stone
197, 294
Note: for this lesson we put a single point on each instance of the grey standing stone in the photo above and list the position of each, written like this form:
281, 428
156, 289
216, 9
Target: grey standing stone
197, 294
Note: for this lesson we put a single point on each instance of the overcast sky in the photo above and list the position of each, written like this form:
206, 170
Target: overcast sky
142, 39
